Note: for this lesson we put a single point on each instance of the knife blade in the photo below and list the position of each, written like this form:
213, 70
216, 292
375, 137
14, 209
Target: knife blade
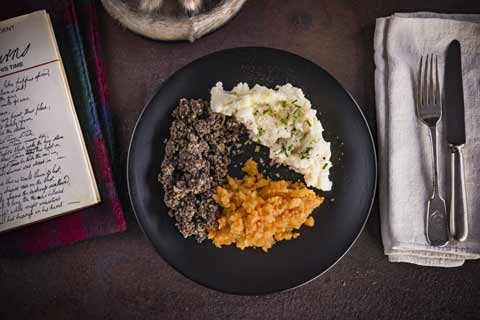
454, 103
456, 138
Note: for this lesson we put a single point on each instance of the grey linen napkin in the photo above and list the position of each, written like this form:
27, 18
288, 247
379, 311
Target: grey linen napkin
404, 146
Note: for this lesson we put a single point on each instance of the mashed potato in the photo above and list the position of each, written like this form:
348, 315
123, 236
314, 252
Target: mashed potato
283, 120
258, 212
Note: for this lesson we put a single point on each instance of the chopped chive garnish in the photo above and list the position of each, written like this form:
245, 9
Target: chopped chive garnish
284, 121
290, 147
257, 148
247, 142
284, 150
297, 112
260, 132
325, 166
308, 122
306, 153
297, 108
256, 112
269, 111
283, 103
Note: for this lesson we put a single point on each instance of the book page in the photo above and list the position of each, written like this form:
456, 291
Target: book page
44, 167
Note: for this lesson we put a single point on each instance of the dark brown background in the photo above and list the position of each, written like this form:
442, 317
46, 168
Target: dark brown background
121, 276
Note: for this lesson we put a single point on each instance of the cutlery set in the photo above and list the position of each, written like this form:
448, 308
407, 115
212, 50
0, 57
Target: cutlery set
441, 227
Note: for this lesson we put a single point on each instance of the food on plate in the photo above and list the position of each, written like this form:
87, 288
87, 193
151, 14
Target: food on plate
196, 162
283, 120
257, 212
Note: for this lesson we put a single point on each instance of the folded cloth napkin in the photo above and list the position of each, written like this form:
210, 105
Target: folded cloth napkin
404, 146
75, 27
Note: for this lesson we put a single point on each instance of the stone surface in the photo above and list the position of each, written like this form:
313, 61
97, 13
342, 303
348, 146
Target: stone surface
121, 276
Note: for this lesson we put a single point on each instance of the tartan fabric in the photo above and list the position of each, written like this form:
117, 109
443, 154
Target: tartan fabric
76, 31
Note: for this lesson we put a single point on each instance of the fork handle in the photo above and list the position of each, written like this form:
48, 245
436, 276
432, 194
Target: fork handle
437, 218
458, 198
433, 137
437, 222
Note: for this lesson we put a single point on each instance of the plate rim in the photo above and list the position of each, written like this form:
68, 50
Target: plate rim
240, 292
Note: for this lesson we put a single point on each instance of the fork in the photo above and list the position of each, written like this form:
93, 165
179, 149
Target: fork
429, 111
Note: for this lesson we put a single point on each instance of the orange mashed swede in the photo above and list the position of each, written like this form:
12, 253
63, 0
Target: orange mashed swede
257, 212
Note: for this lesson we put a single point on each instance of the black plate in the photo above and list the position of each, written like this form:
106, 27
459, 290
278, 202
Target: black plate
338, 222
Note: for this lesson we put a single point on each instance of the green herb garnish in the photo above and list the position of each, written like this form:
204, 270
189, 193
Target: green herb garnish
269, 111
256, 112
284, 121
260, 132
297, 108
308, 122
297, 112
247, 142
284, 149
283, 103
325, 166
306, 153
257, 148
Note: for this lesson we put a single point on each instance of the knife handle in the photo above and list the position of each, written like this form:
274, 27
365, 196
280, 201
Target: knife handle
458, 200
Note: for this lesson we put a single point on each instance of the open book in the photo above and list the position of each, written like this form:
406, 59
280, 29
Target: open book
44, 166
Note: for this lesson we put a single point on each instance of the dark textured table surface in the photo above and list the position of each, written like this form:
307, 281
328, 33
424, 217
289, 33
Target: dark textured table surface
121, 276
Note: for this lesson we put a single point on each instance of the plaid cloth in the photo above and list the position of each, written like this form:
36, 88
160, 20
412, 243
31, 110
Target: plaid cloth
75, 26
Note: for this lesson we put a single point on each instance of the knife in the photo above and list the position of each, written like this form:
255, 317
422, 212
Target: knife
455, 118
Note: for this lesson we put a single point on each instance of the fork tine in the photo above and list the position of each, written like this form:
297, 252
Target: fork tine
419, 84
425, 82
431, 93
437, 83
